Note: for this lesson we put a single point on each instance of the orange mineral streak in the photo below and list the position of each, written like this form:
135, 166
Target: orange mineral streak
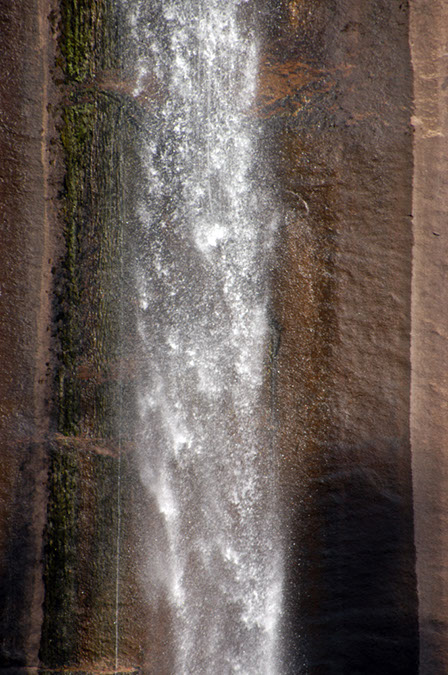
288, 86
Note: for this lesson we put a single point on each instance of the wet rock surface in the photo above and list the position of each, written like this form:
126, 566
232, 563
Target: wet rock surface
335, 100
342, 151
59, 442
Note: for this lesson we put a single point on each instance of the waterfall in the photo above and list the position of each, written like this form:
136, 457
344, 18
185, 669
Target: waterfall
205, 235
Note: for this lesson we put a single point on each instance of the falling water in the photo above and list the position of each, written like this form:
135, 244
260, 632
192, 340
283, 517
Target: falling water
205, 235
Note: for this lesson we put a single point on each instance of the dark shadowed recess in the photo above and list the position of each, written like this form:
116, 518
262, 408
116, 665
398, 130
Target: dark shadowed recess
340, 147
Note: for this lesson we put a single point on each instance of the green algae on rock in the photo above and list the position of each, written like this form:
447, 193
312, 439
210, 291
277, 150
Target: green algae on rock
80, 563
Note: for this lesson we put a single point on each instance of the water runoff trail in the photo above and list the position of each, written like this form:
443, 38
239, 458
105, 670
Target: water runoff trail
206, 231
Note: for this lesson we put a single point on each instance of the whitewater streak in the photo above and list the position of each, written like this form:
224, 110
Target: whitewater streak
206, 232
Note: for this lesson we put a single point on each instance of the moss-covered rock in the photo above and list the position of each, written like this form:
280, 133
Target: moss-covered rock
59, 624
82, 537
89, 37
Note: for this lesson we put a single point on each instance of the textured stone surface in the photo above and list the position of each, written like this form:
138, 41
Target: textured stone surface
335, 100
73, 623
24, 325
429, 430
341, 149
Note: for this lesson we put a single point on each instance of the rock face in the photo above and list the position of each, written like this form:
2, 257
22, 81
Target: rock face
429, 328
341, 147
354, 384
59, 454
26, 252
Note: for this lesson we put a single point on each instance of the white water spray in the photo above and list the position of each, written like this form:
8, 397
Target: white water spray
206, 236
